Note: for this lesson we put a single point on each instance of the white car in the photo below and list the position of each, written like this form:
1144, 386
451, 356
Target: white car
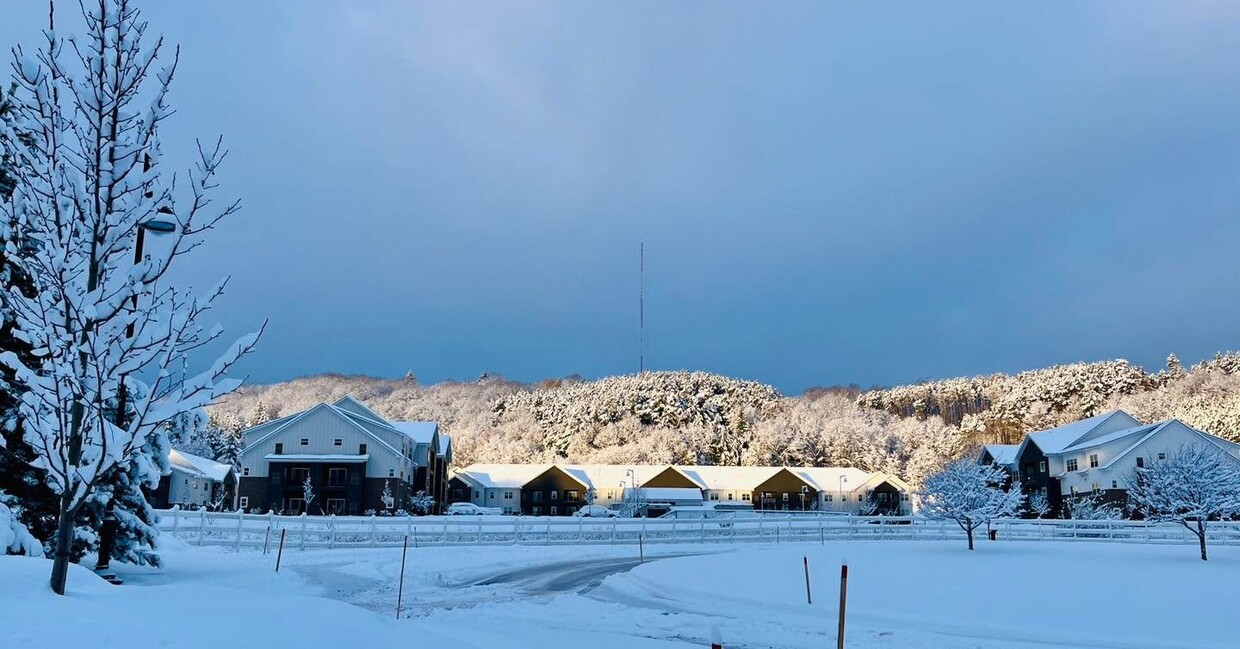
463, 509
595, 511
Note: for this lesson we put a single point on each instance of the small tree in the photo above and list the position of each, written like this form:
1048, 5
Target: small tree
633, 503
386, 496
421, 503
1038, 505
1195, 485
970, 494
1092, 508
307, 493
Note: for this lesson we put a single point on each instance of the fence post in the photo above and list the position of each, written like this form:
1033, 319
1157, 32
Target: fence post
373, 530
202, 525
176, 518
760, 533
516, 530
240, 521
331, 539
303, 530
614, 523
822, 534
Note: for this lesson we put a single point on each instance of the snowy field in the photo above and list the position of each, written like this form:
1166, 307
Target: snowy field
914, 594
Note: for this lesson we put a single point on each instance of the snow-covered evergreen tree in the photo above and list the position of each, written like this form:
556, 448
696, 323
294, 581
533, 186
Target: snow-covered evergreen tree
14, 537
970, 494
421, 503
1191, 487
89, 178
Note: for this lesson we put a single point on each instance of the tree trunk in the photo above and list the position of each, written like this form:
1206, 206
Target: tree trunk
969, 532
1201, 538
64, 544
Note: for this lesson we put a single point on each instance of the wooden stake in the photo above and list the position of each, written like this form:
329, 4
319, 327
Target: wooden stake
839, 642
716, 638
641, 550
400, 591
280, 554
266, 538
809, 596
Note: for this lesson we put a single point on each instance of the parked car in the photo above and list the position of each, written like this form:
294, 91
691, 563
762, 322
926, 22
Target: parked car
596, 511
723, 517
463, 509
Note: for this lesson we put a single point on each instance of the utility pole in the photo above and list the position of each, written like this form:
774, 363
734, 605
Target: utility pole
641, 306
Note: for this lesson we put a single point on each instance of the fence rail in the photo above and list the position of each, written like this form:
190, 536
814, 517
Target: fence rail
241, 530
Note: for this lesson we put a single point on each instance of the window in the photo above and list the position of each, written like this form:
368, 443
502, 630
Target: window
279, 448
904, 496
361, 449
730, 495
187, 482
245, 471
1095, 488
245, 502
745, 496
305, 441
553, 510
391, 473
1093, 460
298, 474
785, 496
1140, 462
492, 495
714, 495
335, 505
458, 494
1073, 490
1042, 466
1115, 484
338, 441
882, 496
830, 498
478, 495
537, 496
570, 495
195, 485
555, 495
295, 505
1162, 456
275, 477
336, 478
1072, 464
507, 495
353, 509
536, 510
354, 478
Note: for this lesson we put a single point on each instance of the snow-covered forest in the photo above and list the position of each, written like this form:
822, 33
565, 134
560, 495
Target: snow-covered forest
697, 417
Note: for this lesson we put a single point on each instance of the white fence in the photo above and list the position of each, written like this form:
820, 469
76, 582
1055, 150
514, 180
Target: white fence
260, 530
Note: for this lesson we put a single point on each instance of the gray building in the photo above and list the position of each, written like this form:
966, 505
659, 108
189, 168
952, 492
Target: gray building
348, 454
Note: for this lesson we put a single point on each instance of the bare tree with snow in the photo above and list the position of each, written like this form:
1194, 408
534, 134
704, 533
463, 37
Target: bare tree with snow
1038, 505
1191, 487
1092, 508
111, 335
307, 493
970, 494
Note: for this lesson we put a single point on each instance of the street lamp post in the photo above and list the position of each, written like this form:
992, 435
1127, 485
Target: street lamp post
843, 479
804, 490
107, 530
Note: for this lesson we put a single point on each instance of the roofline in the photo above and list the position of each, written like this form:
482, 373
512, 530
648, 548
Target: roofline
343, 414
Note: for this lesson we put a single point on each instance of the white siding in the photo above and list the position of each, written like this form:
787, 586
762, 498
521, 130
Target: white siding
321, 427
187, 489
1169, 440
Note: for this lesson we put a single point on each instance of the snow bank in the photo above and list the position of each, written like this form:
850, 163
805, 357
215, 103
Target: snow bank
188, 614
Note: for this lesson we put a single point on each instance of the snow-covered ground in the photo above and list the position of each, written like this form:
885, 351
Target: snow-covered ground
915, 594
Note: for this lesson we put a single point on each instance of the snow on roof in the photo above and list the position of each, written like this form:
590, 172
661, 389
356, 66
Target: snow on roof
503, 475
198, 466
1111, 437
1055, 440
1002, 453
828, 478
670, 494
316, 457
422, 432
729, 477
350, 404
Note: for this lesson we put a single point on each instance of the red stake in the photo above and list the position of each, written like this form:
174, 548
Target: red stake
716, 638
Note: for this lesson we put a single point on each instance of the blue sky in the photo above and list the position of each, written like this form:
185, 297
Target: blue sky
828, 192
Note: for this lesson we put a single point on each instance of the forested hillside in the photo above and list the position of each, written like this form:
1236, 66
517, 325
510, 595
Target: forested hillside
702, 418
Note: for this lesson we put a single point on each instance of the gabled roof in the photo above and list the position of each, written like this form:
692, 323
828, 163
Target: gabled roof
828, 478
345, 415
1002, 453
1055, 440
504, 476
1227, 447
350, 404
421, 432
1101, 440
197, 466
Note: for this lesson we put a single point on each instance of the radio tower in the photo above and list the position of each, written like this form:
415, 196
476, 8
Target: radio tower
641, 307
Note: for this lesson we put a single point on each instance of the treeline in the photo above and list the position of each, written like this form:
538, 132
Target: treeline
703, 418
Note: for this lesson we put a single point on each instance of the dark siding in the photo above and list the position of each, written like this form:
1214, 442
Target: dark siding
459, 491
783, 492
1033, 478
537, 494
670, 477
